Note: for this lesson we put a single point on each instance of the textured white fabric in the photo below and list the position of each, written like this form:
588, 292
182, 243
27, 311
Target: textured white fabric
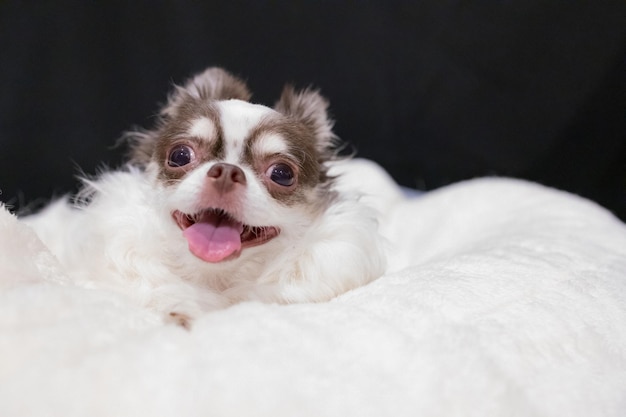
503, 298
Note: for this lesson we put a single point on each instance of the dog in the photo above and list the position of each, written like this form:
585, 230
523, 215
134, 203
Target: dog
222, 201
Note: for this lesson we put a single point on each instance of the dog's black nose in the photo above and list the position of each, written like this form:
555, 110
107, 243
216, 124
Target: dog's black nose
225, 176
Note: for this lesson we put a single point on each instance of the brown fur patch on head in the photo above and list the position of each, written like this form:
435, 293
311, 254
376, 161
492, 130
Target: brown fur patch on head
212, 84
300, 154
176, 131
300, 143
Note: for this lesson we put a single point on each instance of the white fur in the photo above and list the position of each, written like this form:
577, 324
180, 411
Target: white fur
270, 144
238, 119
203, 128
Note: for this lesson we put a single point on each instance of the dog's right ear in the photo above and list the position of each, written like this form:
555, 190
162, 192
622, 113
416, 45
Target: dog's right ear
212, 84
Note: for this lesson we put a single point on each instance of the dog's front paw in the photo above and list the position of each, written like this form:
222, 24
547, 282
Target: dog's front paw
180, 319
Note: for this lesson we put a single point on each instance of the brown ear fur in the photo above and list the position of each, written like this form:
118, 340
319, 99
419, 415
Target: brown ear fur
212, 84
309, 107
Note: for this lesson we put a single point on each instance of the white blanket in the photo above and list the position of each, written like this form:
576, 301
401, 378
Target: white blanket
503, 298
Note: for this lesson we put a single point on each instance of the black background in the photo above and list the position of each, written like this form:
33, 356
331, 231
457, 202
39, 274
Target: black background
435, 91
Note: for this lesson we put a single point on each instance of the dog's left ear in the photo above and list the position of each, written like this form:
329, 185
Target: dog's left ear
211, 84
311, 109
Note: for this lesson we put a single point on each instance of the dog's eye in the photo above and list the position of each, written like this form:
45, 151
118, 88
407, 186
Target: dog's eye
180, 155
281, 174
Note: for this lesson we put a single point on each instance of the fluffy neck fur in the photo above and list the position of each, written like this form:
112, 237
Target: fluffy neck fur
131, 249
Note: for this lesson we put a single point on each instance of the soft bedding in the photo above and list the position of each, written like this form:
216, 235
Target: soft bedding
502, 298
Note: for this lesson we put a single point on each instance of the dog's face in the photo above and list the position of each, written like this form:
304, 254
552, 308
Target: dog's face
235, 175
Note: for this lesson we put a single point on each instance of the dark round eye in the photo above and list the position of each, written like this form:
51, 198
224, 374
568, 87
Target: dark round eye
281, 174
180, 156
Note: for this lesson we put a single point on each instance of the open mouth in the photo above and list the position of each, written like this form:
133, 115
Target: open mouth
214, 235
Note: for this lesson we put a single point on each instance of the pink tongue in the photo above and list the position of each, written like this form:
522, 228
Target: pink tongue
214, 241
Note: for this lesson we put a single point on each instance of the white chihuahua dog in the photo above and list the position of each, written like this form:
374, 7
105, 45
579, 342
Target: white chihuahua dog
223, 201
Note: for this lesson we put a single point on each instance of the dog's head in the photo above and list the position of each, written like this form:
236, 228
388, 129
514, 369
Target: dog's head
236, 175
